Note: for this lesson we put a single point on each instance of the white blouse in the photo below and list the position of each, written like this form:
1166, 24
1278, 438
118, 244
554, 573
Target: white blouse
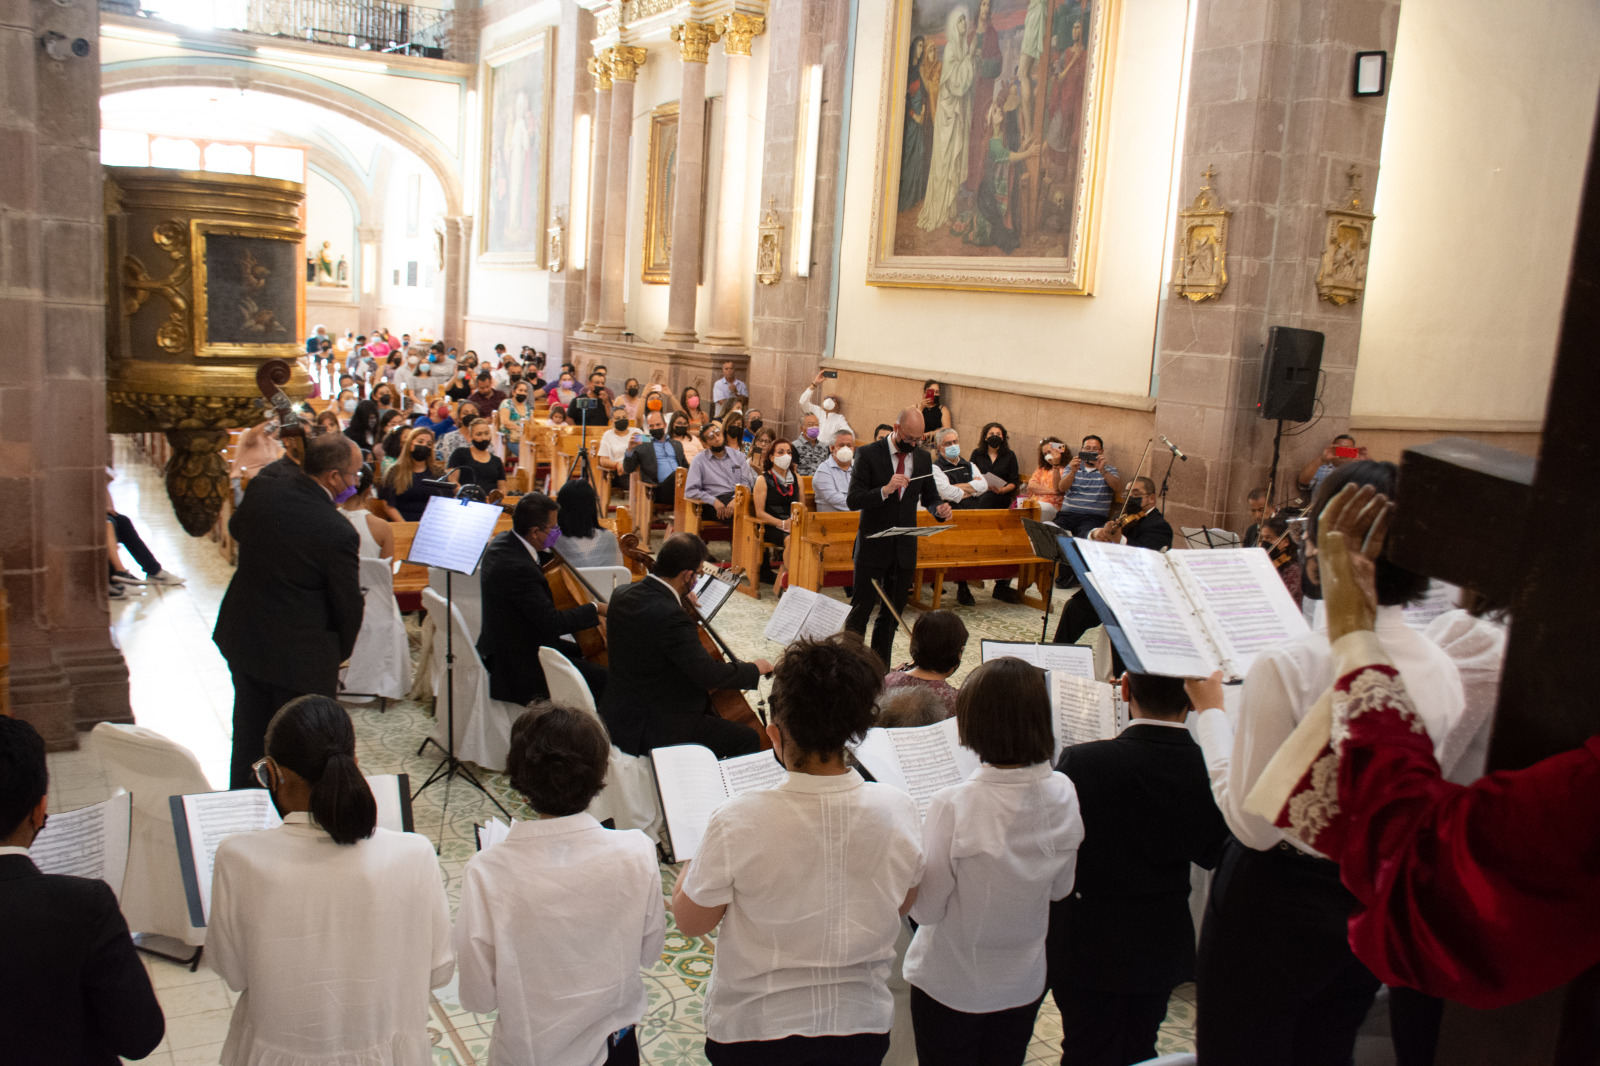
999, 847
554, 925
813, 872
333, 947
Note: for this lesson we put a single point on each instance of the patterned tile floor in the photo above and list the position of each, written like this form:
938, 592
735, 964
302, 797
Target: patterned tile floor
180, 687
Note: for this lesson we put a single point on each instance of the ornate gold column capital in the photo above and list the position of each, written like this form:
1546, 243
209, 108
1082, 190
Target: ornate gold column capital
626, 60
738, 30
695, 40
600, 67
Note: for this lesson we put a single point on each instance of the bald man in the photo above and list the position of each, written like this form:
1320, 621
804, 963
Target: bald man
888, 478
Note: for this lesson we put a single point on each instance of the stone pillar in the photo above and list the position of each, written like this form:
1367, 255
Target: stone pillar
625, 63
1270, 108
738, 30
66, 674
600, 67
683, 276
371, 238
457, 269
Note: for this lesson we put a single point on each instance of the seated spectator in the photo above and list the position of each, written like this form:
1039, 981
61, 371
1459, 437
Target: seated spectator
558, 416
714, 475
459, 386
938, 640
830, 484
883, 430
583, 541
760, 445
257, 447
328, 421
557, 921
773, 498
363, 427
678, 430
485, 397
512, 417
385, 396
632, 402
1088, 488
734, 430
1041, 484
689, 404
656, 458
377, 536
612, 450
829, 412
390, 450
656, 398
597, 390
406, 492
389, 420
809, 451
959, 484
304, 917
73, 987
475, 463
565, 389
441, 422
911, 706
466, 414
120, 530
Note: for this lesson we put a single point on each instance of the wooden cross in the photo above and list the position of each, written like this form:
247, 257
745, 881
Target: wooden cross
1529, 535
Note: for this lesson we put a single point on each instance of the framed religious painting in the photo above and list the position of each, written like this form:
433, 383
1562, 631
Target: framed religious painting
516, 133
249, 299
661, 186
991, 136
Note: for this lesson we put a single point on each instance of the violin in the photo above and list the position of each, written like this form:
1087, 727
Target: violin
1281, 552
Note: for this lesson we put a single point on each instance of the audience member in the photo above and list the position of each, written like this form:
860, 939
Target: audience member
564, 390
440, 423
1343, 450
794, 982
512, 417
657, 398
596, 389
377, 536
73, 987
613, 447
475, 463
459, 387
689, 405
938, 641
829, 412
909, 707
760, 445
122, 532
1142, 526
466, 414
734, 431
1042, 482
959, 483
558, 417
714, 475
328, 421
257, 447
883, 430
632, 402
392, 446
678, 430
1089, 485
1124, 938
809, 451
935, 415
728, 388
557, 920
656, 459
830, 484
389, 421
385, 396
998, 848
332, 931
583, 541
774, 495
407, 487
363, 427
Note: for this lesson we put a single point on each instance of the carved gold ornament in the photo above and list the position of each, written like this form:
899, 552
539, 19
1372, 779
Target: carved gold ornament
556, 252
172, 237
1342, 277
769, 246
1201, 272
626, 59
738, 30
695, 40
600, 67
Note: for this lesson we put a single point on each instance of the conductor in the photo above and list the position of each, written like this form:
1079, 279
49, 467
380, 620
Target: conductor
885, 488
660, 674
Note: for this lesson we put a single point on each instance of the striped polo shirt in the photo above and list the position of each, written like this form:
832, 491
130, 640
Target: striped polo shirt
1089, 493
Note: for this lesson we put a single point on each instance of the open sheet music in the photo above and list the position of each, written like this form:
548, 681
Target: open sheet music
1071, 658
91, 841
910, 531
803, 613
692, 784
710, 593
453, 534
202, 821
1083, 710
918, 761
1187, 613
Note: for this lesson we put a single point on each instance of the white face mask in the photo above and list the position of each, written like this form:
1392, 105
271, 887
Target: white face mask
412, 362
349, 405
828, 404
782, 461
844, 455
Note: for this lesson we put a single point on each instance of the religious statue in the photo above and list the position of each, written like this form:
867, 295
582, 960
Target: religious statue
1202, 267
343, 271
557, 254
769, 248
325, 264
1342, 277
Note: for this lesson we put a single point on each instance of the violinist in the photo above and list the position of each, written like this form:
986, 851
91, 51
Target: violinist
661, 675
1284, 553
1142, 525
519, 612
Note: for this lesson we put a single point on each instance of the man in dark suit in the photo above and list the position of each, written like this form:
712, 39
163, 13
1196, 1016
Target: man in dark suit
75, 993
656, 459
885, 489
660, 674
519, 613
293, 608
1124, 939
1151, 530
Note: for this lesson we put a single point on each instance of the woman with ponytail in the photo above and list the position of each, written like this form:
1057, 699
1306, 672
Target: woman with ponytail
332, 930
557, 920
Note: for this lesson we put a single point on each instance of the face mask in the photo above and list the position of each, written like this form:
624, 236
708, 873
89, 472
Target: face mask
652, 404
550, 538
829, 404
433, 357
481, 445
349, 406
782, 461
952, 452
658, 432
421, 452
905, 447
633, 390
619, 424
412, 362
812, 432
680, 430
718, 449
844, 455
515, 378
566, 383
694, 401
994, 440
522, 397
755, 424
349, 491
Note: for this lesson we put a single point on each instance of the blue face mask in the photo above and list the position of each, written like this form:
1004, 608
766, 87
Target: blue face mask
432, 357
952, 452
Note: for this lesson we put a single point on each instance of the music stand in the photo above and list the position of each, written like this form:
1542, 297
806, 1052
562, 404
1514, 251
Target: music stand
452, 536
1043, 539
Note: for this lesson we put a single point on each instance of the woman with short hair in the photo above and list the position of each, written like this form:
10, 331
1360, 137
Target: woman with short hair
583, 541
938, 640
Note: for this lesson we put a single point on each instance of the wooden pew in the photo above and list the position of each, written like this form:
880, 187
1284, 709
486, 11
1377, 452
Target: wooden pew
748, 543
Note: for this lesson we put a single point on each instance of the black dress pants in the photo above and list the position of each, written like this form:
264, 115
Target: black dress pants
1101, 1028
1079, 524
857, 1049
129, 538
1277, 982
254, 703
950, 1037
896, 582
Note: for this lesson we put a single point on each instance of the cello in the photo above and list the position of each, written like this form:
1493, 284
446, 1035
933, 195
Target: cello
569, 589
271, 376
729, 703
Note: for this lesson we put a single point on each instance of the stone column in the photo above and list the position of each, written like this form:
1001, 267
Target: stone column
371, 237
1270, 108
625, 63
683, 277
600, 67
738, 30
457, 266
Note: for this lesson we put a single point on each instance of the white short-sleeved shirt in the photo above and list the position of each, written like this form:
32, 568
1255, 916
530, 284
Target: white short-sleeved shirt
813, 873
554, 925
998, 848
614, 445
333, 947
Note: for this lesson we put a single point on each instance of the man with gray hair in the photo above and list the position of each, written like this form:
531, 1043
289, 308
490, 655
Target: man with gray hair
830, 484
959, 484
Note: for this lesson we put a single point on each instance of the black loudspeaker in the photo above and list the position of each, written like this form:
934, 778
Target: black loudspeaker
1289, 374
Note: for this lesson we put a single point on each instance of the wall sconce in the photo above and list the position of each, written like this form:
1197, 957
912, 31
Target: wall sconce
1372, 73
582, 157
806, 179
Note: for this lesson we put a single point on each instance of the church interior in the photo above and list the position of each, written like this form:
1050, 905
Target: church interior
1239, 243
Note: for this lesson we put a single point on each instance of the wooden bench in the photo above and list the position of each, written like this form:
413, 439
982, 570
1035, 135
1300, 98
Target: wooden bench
749, 545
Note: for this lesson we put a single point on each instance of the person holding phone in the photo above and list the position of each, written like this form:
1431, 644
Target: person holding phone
1088, 484
935, 415
1341, 451
830, 418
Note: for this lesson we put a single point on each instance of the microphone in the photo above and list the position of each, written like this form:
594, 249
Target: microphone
1172, 447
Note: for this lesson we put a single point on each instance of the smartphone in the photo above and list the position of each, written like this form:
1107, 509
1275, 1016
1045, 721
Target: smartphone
1347, 453
830, 373
1089, 457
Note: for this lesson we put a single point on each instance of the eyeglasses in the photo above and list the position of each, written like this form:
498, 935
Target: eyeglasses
263, 775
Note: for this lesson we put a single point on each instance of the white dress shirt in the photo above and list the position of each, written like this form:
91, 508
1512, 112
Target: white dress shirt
1283, 686
828, 422
1478, 648
951, 492
813, 872
999, 847
554, 925
12, 849
333, 947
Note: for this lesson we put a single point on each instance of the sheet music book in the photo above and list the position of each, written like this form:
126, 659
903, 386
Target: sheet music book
803, 613
91, 841
910, 531
201, 821
711, 592
1186, 614
1083, 710
919, 761
1440, 597
1077, 659
692, 784
453, 534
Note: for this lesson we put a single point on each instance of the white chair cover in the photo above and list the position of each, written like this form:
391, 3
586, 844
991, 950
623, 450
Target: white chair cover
380, 665
482, 724
153, 769
606, 579
629, 798
1182, 1059
466, 596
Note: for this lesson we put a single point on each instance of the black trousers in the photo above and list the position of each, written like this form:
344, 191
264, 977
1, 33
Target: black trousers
1078, 523
708, 513
129, 538
896, 582
1414, 1019
949, 1037
254, 703
857, 1049
625, 1052
1077, 618
1108, 1028
1277, 982
725, 739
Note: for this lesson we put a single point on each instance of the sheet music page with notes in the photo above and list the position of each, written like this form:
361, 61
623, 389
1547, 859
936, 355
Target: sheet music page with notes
1076, 659
918, 761
1154, 612
1242, 601
789, 615
746, 773
1081, 710
692, 784
214, 817
453, 534
91, 841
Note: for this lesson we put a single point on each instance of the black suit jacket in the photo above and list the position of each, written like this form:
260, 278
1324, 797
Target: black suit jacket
869, 473
282, 466
660, 673
643, 459
1151, 531
520, 617
1147, 814
74, 991
293, 608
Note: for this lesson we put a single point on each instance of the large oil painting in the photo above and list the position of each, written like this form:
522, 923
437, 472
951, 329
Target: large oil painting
990, 142
661, 183
248, 288
516, 138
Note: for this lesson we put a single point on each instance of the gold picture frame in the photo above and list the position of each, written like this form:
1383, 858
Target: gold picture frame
518, 84
1346, 242
1201, 272
249, 289
1048, 236
660, 186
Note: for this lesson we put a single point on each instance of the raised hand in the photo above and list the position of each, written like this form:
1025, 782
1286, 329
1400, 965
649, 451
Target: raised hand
1350, 537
